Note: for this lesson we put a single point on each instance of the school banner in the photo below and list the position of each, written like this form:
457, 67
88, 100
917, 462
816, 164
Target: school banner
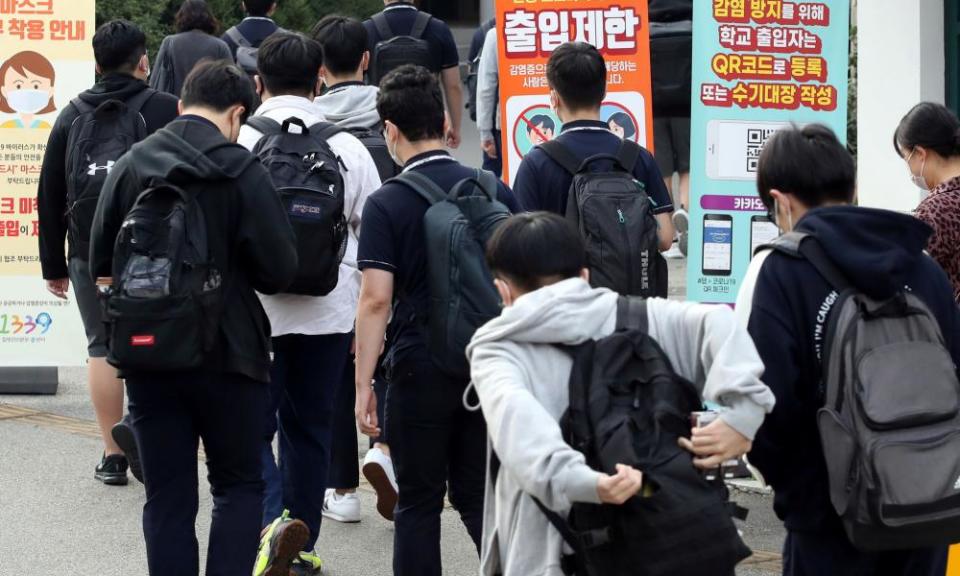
46, 58
758, 66
528, 33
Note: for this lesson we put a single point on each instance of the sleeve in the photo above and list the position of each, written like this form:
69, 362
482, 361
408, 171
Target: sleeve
944, 241
378, 248
266, 241
708, 347
449, 55
52, 202
488, 85
525, 187
649, 173
526, 438
507, 198
111, 210
159, 71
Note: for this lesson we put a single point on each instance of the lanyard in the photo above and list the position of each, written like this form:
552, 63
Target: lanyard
425, 161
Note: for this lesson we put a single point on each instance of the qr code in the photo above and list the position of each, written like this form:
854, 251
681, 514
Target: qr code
756, 139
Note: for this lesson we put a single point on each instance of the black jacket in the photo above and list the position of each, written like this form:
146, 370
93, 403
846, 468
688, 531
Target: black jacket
250, 237
881, 253
158, 111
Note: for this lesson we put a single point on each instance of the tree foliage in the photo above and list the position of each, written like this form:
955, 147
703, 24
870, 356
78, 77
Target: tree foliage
156, 17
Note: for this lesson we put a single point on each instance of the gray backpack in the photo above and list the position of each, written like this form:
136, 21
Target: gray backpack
458, 225
246, 51
890, 424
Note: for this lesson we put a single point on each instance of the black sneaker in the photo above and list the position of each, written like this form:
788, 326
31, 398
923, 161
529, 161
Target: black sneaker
123, 435
112, 470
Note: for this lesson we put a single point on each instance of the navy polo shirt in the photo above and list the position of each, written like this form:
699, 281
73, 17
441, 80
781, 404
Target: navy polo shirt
401, 17
542, 184
255, 29
392, 239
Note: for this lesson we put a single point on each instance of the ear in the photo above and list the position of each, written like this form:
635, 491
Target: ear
585, 274
258, 84
144, 63
365, 61
446, 123
503, 289
180, 108
98, 70
322, 78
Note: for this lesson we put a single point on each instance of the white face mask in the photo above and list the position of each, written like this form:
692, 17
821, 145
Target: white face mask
918, 181
28, 101
776, 216
393, 151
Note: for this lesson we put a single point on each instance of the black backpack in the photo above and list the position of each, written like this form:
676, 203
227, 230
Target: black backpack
98, 137
163, 307
615, 218
375, 144
890, 423
457, 226
671, 61
393, 51
306, 174
628, 406
473, 72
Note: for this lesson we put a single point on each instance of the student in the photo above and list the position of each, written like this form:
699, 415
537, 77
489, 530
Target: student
807, 180
488, 104
433, 439
250, 33
401, 17
928, 139
194, 41
577, 75
351, 104
252, 243
312, 336
120, 49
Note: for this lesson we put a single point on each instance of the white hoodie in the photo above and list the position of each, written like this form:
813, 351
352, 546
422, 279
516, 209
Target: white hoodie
521, 378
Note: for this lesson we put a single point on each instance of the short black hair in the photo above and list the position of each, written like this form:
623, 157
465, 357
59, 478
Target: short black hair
196, 15
809, 163
289, 63
541, 121
578, 73
930, 125
623, 120
344, 42
118, 46
534, 249
258, 7
218, 85
410, 98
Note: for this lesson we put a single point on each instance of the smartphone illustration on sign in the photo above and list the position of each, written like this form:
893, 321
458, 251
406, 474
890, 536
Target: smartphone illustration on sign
762, 231
717, 244
733, 147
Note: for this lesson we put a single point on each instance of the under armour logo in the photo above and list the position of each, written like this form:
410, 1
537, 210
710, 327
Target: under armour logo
93, 168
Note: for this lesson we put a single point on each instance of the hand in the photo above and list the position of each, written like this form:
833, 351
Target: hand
453, 138
621, 487
714, 444
366, 411
489, 148
59, 287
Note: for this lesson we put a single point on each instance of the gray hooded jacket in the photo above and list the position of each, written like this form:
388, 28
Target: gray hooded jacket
521, 379
350, 105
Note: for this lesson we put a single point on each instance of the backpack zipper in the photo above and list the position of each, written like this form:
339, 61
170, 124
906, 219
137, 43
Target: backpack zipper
625, 239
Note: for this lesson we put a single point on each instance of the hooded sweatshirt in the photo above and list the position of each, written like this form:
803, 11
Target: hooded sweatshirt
786, 305
158, 111
350, 105
249, 235
521, 378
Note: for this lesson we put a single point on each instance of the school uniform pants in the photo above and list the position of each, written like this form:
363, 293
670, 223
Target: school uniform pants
306, 375
435, 443
830, 552
171, 413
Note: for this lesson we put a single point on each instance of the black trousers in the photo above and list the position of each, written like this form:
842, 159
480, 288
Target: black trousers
170, 414
830, 552
435, 443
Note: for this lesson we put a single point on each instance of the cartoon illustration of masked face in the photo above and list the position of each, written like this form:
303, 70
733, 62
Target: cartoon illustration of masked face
26, 89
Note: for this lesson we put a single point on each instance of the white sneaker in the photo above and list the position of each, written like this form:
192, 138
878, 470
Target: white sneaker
681, 221
341, 507
378, 470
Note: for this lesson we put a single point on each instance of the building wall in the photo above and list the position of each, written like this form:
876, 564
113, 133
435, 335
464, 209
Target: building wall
900, 63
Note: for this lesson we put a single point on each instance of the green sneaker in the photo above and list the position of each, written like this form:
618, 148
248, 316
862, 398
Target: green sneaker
280, 546
307, 564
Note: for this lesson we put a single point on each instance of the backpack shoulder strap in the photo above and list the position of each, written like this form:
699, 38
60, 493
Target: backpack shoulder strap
383, 26
632, 314
561, 155
82, 106
422, 185
324, 131
140, 99
420, 25
265, 126
488, 182
238, 38
804, 246
629, 154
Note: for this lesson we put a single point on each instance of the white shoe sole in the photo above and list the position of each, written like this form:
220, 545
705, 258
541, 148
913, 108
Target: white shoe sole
338, 518
386, 495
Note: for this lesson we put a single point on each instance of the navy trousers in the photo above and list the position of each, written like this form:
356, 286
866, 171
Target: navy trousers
434, 442
170, 414
830, 552
306, 375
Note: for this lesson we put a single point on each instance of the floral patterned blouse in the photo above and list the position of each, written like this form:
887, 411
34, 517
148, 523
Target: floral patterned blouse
941, 211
